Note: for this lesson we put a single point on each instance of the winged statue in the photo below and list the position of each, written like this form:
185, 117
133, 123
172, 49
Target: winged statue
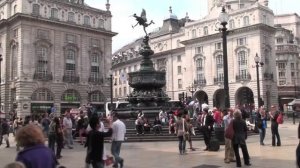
142, 20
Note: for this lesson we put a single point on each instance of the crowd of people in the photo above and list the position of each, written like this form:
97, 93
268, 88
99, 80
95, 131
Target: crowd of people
32, 132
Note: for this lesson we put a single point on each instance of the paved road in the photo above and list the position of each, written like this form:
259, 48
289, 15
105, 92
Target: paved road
165, 154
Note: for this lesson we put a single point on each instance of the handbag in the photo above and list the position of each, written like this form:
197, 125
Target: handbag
229, 132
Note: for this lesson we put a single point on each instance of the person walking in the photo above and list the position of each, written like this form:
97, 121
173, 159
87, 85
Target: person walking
207, 122
261, 124
229, 152
95, 143
5, 132
239, 138
118, 136
181, 130
67, 124
274, 126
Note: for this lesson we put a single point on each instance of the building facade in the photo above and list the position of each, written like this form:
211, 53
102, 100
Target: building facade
190, 51
56, 53
287, 40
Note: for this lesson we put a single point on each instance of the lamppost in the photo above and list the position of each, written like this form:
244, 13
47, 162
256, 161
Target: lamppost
111, 90
258, 64
192, 89
223, 18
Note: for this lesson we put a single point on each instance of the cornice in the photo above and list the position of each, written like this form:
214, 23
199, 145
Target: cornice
21, 17
231, 32
154, 56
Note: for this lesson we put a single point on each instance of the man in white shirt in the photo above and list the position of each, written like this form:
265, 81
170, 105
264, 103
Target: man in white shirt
118, 136
67, 123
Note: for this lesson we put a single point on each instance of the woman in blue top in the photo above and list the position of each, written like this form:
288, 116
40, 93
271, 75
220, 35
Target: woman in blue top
261, 124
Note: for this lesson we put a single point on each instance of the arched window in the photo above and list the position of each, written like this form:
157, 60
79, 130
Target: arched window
205, 30
70, 95
219, 65
246, 20
15, 9
95, 67
87, 20
199, 71
42, 62
243, 65
97, 96
231, 24
194, 33
36, 9
71, 17
42, 94
70, 63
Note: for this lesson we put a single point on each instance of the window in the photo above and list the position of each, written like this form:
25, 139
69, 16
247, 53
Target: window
178, 58
54, 13
281, 65
70, 95
179, 83
199, 50
70, 62
120, 91
264, 19
282, 74
205, 30
246, 20
71, 17
293, 74
218, 46
42, 64
87, 20
135, 68
71, 38
279, 40
35, 9
241, 41
199, 64
231, 24
14, 59
42, 95
15, 33
241, 6
179, 70
42, 53
125, 91
292, 66
219, 63
282, 82
101, 23
95, 70
242, 61
194, 33
15, 9
116, 92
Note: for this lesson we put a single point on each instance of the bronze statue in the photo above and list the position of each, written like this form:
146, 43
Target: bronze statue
142, 20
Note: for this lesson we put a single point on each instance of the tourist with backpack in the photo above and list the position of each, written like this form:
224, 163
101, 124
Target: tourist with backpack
274, 114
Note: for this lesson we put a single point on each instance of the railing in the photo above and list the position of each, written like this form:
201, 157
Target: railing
287, 48
95, 80
218, 80
71, 79
43, 76
200, 82
243, 77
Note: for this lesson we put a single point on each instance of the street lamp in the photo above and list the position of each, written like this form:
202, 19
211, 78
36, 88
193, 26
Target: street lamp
223, 18
111, 89
258, 64
192, 89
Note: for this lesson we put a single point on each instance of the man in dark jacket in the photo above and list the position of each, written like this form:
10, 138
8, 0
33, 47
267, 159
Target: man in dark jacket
207, 122
274, 126
5, 132
95, 142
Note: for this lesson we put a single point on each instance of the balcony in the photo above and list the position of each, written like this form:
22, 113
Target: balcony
96, 80
240, 78
71, 79
200, 82
268, 76
42, 76
218, 80
287, 48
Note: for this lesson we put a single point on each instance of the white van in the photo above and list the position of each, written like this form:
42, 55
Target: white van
116, 105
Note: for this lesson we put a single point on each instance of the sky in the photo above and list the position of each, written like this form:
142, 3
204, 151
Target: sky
157, 10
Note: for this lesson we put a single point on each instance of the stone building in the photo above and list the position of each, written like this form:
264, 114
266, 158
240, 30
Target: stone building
190, 51
55, 53
287, 40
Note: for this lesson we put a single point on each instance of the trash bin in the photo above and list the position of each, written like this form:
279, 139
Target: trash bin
219, 135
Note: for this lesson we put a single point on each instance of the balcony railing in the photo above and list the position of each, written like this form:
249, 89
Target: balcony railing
95, 80
200, 82
287, 48
71, 79
268, 76
42, 76
243, 77
218, 80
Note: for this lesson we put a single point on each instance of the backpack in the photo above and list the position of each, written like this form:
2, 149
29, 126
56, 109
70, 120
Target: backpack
279, 119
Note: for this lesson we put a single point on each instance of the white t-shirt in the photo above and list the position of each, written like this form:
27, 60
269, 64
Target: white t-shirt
119, 130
